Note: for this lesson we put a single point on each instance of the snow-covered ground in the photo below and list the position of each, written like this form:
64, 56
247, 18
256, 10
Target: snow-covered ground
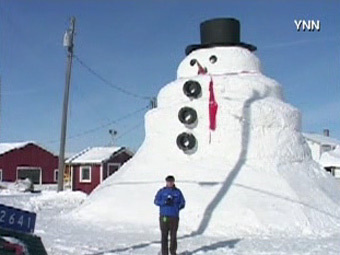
64, 235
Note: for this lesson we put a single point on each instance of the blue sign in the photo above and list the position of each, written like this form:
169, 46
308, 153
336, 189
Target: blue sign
16, 219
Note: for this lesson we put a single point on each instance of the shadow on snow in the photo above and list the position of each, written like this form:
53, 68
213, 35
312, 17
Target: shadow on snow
222, 244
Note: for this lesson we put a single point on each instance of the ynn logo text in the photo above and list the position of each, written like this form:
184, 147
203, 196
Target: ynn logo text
307, 25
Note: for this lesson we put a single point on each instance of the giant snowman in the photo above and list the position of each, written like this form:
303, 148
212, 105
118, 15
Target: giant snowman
232, 143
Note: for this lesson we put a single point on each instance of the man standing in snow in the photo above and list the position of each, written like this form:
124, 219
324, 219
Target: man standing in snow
170, 200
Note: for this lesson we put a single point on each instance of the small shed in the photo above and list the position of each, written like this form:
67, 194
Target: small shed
93, 165
27, 160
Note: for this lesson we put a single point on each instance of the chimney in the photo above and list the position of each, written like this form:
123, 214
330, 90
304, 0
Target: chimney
326, 132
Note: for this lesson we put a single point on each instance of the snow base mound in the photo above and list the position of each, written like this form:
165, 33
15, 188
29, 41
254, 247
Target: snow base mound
295, 199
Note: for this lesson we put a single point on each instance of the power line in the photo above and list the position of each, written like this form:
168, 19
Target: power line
130, 130
109, 83
92, 130
94, 108
127, 131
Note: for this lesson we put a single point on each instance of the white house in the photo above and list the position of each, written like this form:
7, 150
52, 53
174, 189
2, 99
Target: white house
330, 160
325, 150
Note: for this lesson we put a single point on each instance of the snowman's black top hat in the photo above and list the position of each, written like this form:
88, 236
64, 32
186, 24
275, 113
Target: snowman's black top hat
220, 32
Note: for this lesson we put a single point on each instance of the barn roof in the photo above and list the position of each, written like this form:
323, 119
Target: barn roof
6, 147
93, 155
321, 139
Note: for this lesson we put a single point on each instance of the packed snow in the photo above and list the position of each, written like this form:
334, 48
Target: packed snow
17, 187
64, 235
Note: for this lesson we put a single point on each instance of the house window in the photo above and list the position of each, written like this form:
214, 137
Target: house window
56, 175
0, 175
325, 148
337, 172
112, 167
85, 174
32, 173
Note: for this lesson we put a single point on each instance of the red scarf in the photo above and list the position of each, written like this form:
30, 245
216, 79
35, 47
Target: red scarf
213, 106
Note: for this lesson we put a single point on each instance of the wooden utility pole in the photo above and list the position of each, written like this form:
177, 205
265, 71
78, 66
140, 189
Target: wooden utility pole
68, 43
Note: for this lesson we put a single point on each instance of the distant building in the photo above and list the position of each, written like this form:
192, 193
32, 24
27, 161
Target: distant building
325, 150
330, 160
93, 165
27, 160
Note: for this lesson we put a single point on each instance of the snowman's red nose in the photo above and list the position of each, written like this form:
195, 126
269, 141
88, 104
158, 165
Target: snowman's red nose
201, 70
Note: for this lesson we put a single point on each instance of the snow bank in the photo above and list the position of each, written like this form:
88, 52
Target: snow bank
255, 174
55, 200
20, 186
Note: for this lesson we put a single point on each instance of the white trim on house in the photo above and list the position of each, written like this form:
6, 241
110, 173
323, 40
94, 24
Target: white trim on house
1, 175
29, 168
336, 172
111, 164
101, 173
81, 180
55, 175
128, 151
72, 174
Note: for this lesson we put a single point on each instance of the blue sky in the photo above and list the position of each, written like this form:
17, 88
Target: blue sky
138, 45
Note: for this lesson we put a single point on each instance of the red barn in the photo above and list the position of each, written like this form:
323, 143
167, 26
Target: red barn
93, 165
27, 160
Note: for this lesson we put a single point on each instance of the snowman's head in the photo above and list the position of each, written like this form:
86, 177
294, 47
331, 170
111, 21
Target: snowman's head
218, 61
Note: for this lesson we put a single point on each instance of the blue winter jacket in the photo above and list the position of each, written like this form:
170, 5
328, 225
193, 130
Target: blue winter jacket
172, 208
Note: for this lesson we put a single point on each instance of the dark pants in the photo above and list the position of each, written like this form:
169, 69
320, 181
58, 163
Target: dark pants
169, 224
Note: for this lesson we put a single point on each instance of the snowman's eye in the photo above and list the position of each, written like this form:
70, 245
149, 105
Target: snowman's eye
193, 62
213, 59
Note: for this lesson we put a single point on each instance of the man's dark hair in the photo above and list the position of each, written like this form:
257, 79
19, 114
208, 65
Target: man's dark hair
170, 178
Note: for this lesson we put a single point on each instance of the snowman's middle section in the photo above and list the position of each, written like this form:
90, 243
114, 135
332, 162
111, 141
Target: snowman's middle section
252, 121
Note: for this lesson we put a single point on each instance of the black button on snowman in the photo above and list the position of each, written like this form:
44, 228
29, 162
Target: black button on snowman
188, 116
192, 89
222, 32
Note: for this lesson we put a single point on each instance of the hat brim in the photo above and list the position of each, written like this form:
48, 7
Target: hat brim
194, 47
170, 179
